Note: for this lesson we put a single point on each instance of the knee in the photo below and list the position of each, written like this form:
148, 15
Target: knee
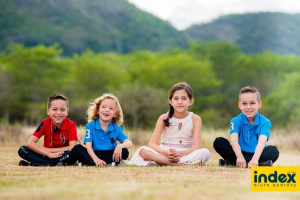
23, 150
218, 142
125, 153
77, 147
275, 149
206, 152
275, 153
143, 153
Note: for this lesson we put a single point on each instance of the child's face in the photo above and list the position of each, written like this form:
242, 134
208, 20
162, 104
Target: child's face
107, 110
58, 111
249, 105
181, 101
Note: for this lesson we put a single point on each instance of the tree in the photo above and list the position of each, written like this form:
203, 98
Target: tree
283, 105
93, 73
142, 105
33, 74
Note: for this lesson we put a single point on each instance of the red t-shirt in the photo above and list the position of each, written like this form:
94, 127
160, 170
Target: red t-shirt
55, 137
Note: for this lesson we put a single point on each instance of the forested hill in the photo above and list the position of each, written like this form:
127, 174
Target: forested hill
254, 32
117, 25
100, 25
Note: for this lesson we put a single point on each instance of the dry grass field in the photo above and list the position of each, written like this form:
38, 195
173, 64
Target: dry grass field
128, 182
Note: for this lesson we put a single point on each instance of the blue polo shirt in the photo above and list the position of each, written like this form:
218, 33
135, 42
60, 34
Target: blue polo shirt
103, 140
248, 133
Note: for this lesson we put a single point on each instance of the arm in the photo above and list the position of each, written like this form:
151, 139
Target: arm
72, 138
153, 144
117, 156
197, 124
95, 158
126, 144
240, 161
66, 148
32, 144
258, 150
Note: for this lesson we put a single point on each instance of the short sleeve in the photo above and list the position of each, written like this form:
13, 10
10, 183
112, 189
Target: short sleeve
39, 132
235, 125
88, 137
265, 129
73, 132
121, 136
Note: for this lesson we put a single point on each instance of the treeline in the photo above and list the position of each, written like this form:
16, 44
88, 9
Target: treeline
253, 32
141, 80
99, 25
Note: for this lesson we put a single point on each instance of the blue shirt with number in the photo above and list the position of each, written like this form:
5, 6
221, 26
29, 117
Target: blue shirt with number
103, 140
248, 133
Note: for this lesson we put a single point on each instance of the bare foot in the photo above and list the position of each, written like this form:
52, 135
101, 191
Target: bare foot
152, 163
201, 163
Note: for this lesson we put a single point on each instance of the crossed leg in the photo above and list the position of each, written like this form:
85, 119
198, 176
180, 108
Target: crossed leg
161, 159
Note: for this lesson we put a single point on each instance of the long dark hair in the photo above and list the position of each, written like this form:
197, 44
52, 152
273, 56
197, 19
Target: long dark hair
174, 88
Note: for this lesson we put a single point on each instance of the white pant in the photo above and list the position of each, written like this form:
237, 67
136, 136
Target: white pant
197, 155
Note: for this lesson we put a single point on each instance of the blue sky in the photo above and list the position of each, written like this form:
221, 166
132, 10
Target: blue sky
184, 13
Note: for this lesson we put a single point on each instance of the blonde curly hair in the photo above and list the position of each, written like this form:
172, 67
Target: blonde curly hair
92, 112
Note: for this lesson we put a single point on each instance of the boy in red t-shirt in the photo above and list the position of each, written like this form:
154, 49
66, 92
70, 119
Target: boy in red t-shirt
60, 136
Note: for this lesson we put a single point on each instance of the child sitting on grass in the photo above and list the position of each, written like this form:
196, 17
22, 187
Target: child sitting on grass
102, 133
179, 131
60, 136
249, 132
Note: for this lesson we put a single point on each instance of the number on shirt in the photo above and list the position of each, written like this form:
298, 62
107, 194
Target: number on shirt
232, 125
87, 133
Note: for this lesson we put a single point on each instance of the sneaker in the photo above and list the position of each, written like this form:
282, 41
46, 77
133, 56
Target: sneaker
60, 164
266, 163
225, 163
221, 162
23, 163
111, 164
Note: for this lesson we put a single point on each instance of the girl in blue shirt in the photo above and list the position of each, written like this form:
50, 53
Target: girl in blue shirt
102, 133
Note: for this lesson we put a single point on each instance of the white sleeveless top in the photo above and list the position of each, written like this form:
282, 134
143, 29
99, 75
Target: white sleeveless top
173, 137
177, 139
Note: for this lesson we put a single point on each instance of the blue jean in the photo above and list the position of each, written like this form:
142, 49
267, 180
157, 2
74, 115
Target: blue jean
36, 159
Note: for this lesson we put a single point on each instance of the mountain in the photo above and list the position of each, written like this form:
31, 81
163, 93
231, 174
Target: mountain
254, 32
100, 25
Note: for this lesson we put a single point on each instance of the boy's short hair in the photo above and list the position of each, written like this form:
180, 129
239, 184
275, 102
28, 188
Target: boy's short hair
249, 89
56, 97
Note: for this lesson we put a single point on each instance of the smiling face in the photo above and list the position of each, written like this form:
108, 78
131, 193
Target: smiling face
58, 111
181, 101
249, 105
107, 110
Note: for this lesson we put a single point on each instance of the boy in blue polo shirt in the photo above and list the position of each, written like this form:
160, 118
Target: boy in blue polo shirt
249, 132
102, 133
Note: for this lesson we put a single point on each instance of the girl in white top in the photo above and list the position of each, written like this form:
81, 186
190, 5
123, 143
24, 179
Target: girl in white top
180, 131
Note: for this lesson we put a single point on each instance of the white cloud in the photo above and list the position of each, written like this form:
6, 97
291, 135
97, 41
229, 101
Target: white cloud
183, 13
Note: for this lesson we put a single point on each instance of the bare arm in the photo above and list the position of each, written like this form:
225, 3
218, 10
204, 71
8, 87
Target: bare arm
95, 158
258, 151
66, 148
240, 161
32, 144
126, 144
117, 156
153, 144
